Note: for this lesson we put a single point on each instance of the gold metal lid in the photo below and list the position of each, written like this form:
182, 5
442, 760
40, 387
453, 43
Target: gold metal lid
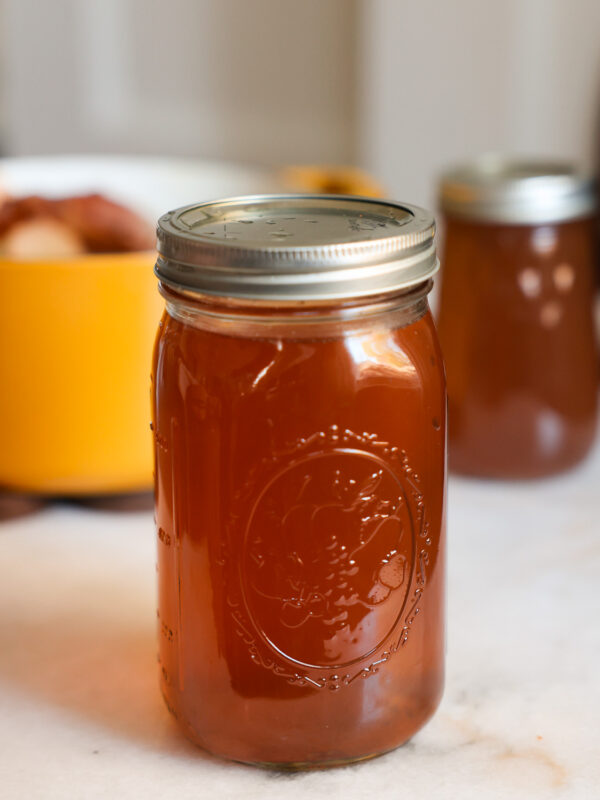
296, 247
528, 192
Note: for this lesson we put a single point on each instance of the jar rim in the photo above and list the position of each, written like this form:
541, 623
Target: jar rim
517, 191
295, 247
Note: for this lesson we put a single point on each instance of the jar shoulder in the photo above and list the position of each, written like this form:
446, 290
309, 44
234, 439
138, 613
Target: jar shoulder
407, 355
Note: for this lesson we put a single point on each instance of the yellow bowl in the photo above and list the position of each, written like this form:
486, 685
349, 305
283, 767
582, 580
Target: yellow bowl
76, 335
74, 364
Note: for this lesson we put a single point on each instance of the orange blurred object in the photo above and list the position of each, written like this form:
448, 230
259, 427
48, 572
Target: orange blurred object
77, 325
331, 180
77, 338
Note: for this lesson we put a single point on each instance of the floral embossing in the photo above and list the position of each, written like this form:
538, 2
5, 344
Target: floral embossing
305, 612
328, 548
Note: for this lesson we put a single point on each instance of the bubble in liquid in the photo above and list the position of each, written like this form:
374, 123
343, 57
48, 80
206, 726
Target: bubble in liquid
543, 240
530, 282
550, 314
392, 573
564, 277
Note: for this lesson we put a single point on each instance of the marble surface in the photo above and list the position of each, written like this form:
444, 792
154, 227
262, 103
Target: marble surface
81, 716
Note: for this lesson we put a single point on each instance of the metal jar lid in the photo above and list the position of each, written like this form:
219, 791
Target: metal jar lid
493, 189
295, 247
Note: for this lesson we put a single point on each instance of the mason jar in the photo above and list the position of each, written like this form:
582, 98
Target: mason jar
299, 431
516, 317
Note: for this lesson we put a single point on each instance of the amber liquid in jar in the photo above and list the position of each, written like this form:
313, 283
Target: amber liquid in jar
517, 330
300, 512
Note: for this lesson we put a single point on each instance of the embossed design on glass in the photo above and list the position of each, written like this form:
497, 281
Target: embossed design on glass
305, 575
328, 560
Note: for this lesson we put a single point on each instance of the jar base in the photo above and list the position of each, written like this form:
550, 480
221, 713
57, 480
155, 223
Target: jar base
293, 766
304, 766
285, 766
487, 472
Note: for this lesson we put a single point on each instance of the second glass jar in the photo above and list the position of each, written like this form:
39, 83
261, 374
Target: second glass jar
516, 318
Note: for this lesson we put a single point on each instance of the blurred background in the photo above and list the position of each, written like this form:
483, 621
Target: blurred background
227, 93
399, 88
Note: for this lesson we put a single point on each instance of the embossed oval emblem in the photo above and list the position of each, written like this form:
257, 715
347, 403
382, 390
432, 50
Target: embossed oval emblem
328, 558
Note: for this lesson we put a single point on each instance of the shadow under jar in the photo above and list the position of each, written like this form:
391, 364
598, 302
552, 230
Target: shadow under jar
299, 428
516, 318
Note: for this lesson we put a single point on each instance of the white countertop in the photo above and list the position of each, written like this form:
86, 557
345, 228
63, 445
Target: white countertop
81, 715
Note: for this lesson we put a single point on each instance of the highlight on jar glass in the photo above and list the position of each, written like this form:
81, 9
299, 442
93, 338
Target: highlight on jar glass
299, 431
516, 317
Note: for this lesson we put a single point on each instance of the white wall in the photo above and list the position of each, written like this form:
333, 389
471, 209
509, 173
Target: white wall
442, 80
259, 80
401, 86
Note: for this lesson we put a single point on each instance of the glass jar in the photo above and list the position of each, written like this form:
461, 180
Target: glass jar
516, 318
299, 429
